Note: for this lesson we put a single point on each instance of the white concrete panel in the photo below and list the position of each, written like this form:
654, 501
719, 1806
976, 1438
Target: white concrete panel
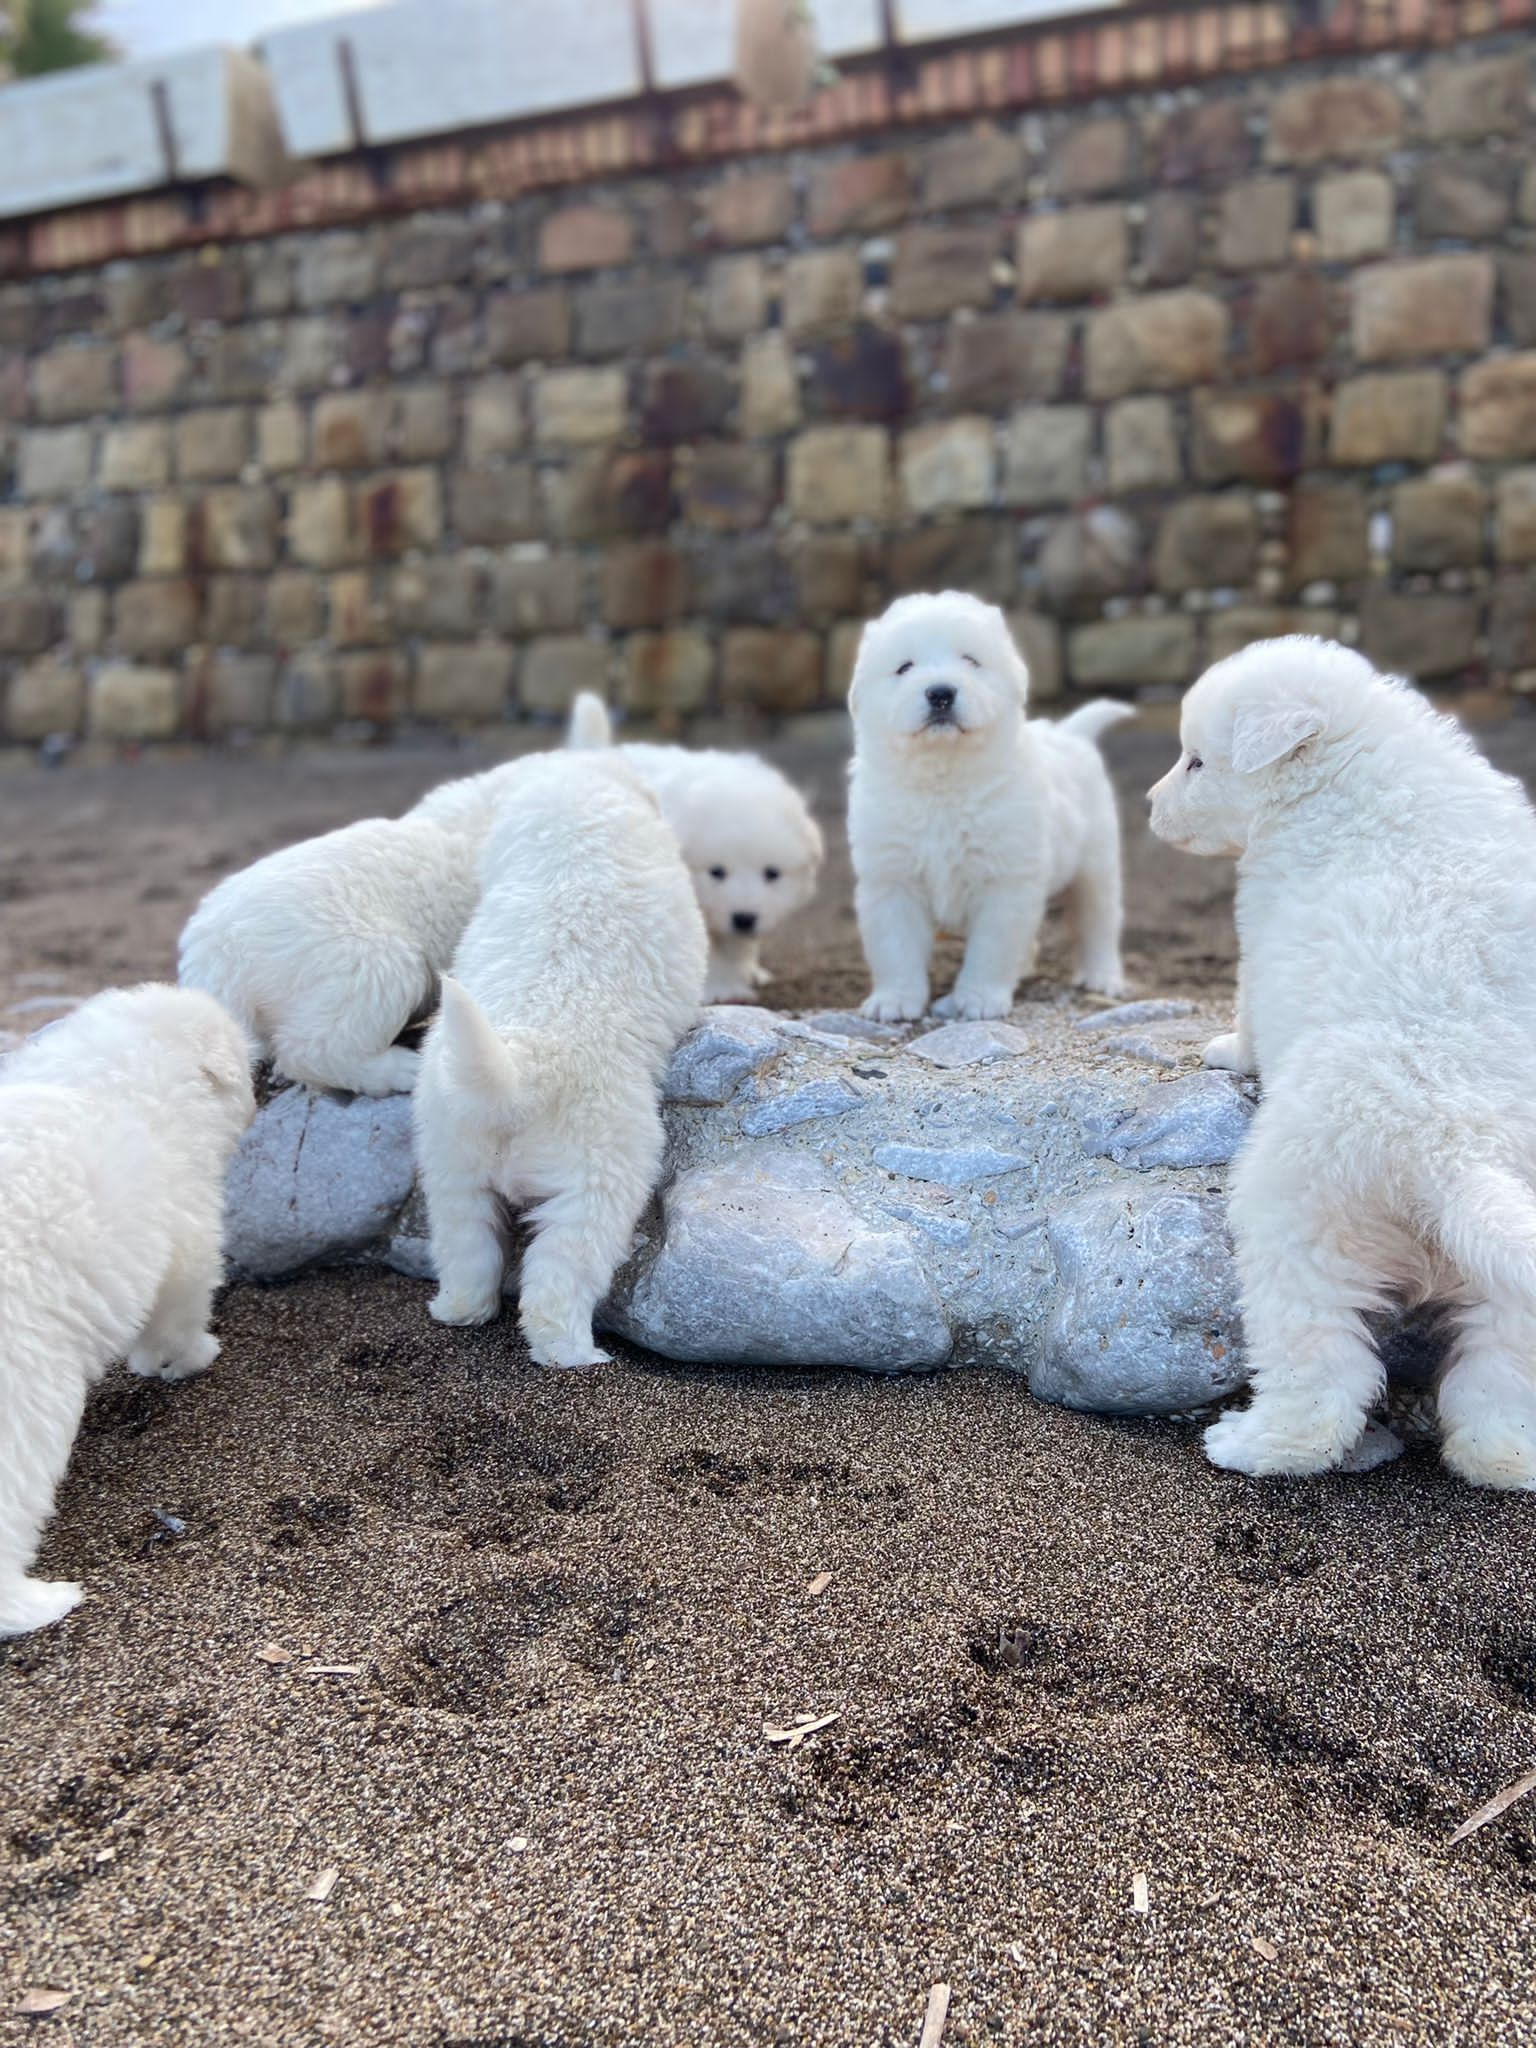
922, 21
94, 134
429, 67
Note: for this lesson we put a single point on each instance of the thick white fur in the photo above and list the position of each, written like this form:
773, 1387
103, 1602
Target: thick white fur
971, 826
580, 969
325, 951
116, 1126
1386, 908
748, 839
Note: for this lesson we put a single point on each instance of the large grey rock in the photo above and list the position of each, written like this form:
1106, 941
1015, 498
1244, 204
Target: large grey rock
317, 1177
1146, 1312
837, 1198
765, 1262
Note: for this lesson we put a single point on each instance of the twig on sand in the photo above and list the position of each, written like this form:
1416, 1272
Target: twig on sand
1140, 1899
1501, 1802
799, 1729
819, 1584
322, 1887
934, 2017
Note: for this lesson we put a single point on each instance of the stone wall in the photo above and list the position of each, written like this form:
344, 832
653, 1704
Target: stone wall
1159, 372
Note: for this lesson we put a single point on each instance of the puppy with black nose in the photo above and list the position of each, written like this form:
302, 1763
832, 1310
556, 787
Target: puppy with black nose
965, 817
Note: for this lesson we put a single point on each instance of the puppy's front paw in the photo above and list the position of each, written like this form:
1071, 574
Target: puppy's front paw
1104, 981
1226, 1052
972, 1003
1266, 1446
26, 1604
1492, 1453
727, 989
185, 1364
894, 1005
462, 1309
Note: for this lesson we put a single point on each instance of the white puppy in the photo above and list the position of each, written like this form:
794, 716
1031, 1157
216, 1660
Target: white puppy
581, 968
325, 951
116, 1126
1386, 908
963, 816
748, 839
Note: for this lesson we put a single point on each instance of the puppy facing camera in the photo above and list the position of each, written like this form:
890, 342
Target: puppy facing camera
1387, 999
751, 846
116, 1126
965, 817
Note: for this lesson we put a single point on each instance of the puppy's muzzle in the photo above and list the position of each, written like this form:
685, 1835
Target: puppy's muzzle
941, 704
743, 920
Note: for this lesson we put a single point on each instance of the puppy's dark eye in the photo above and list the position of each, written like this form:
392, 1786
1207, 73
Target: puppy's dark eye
971, 659
904, 667
717, 874
1192, 764
770, 874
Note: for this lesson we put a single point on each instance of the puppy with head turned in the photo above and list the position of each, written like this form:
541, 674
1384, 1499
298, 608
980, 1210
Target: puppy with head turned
747, 836
1386, 907
116, 1126
965, 817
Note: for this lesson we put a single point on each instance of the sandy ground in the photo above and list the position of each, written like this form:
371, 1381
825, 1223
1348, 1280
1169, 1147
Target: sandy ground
536, 1626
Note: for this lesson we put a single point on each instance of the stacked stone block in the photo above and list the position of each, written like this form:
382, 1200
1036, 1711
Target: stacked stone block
1159, 374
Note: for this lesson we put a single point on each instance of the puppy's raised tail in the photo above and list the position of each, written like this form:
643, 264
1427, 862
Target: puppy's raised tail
496, 1078
1485, 1219
590, 724
1088, 721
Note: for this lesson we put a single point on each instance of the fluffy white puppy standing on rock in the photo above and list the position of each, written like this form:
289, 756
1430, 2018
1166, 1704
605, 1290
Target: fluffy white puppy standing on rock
964, 816
116, 1126
1386, 908
325, 951
581, 968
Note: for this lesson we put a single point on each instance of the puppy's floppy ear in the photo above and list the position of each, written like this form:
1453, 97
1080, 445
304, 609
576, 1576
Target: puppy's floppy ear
1262, 735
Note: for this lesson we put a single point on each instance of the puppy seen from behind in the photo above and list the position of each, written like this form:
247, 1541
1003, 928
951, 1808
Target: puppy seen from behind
581, 968
325, 951
116, 1126
965, 817
1386, 905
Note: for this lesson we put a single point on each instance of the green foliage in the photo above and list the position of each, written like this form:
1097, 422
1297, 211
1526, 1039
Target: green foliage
54, 36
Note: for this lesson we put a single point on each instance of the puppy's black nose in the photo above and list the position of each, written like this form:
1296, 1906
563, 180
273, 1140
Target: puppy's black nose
941, 696
744, 920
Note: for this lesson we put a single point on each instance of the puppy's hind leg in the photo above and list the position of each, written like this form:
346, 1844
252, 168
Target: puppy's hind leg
43, 1405
176, 1342
1313, 1369
340, 1033
464, 1221
582, 1236
998, 952
1487, 1397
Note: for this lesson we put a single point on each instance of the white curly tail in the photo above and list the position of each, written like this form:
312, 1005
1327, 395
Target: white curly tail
590, 724
1089, 720
498, 1075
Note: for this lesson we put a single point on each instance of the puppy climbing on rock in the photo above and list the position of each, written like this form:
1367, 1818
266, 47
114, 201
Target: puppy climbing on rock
116, 1126
1386, 907
964, 816
581, 968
